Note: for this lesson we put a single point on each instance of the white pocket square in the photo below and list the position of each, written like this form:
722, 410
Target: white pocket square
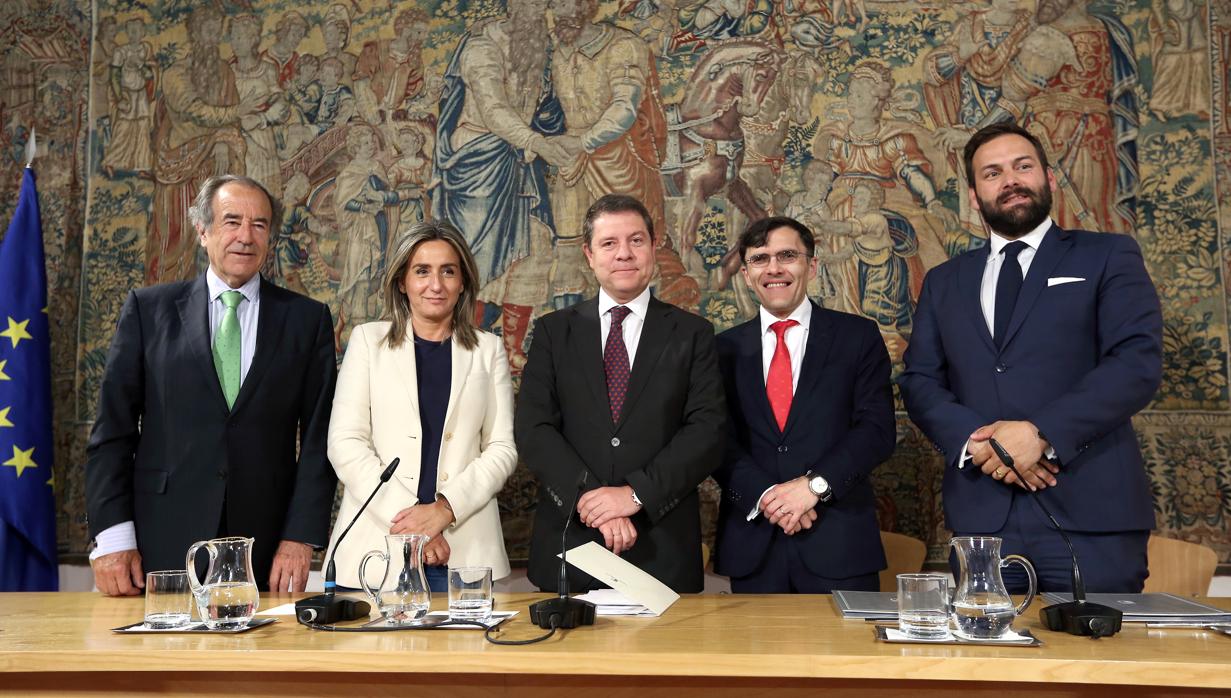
1058, 280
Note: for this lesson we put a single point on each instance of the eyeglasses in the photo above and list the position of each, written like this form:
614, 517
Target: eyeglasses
784, 258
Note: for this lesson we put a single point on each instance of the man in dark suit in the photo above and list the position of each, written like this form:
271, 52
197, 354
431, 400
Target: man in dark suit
624, 390
811, 415
210, 387
1048, 340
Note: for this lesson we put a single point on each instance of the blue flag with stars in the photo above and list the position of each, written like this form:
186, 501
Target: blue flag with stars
27, 496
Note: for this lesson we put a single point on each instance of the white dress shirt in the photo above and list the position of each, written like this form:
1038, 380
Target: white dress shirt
987, 289
123, 536
633, 322
796, 339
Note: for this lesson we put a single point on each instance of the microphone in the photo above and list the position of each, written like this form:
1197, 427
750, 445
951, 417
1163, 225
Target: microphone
1076, 617
325, 609
562, 611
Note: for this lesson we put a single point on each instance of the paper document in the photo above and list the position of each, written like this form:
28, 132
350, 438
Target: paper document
610, 602
622, 576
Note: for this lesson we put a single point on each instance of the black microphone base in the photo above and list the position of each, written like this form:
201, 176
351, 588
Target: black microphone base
1082, 618
566, 612
327, 609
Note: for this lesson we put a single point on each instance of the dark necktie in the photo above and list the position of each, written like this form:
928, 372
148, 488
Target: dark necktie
615, 362
1008, 285
779, 385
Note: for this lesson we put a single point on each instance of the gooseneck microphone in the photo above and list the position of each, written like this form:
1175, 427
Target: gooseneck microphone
324, 609
562, 611
1076, 617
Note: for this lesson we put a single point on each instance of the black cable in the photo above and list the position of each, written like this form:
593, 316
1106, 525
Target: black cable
391, 628
555, 620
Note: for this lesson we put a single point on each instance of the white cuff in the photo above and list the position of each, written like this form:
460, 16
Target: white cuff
757, 509
1050, 453
117, 538
961, 462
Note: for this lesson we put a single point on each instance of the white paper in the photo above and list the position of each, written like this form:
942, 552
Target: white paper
610, 602
623, 576
286, 609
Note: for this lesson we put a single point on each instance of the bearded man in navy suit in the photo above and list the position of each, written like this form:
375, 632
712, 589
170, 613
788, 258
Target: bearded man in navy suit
811, 415
1047, 340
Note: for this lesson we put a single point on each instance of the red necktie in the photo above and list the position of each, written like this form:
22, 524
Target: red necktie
615, 362
778, 386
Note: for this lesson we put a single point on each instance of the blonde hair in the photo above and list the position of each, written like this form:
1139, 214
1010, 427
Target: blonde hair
397, 305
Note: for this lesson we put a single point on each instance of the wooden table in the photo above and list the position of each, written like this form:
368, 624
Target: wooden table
718, 646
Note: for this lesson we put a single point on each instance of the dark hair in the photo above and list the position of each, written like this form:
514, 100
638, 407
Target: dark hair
201, 213
990, 133
614, 203
757, 234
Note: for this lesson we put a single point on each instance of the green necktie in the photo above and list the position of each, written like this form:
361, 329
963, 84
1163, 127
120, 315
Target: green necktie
228, 347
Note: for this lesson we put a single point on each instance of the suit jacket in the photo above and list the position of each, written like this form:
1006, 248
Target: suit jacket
1080, 357
668, 440
840, 426
166, 453
376, 419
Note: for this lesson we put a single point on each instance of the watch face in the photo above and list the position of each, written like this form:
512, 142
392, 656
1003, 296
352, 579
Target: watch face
818, 485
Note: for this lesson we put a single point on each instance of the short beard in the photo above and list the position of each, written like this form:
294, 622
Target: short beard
1017, 221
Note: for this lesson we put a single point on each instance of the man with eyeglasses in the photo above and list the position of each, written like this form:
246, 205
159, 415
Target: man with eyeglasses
810, 416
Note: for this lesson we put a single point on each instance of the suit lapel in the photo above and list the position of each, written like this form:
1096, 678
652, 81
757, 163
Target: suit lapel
820, 339
750, 377
404, 361
461, 360
970, 290
193, 308
1055, 245
655, 333
585, 347
269, 325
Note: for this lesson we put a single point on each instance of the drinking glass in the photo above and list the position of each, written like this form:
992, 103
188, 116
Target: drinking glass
923, 605
168, 603
470, 593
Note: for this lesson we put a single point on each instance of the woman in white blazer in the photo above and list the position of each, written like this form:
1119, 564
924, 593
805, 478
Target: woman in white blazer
426, 386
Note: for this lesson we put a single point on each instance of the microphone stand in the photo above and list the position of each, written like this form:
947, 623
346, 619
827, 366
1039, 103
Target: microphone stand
1076, 617
562, 611
326, 609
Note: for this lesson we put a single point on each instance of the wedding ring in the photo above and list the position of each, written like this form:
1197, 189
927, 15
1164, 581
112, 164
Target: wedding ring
1000, 472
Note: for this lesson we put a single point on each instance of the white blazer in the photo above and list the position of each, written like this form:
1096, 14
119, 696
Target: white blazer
376, 419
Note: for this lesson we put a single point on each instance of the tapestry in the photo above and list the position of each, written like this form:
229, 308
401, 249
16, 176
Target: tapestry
509, 119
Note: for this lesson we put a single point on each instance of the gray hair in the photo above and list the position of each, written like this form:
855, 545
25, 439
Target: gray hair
201, 213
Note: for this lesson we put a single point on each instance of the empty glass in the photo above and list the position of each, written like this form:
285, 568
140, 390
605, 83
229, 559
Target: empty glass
923, 605
168, 603
470, 593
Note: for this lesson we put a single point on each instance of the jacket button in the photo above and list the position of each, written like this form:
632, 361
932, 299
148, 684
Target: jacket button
1001, 368
444, 477
615, 441
222, 474
448, 436
783, 448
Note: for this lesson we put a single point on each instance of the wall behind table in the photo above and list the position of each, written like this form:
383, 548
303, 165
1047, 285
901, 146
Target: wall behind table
876, 94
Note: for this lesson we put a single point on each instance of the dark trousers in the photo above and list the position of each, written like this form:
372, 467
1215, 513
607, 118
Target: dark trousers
1112, 562
783, 572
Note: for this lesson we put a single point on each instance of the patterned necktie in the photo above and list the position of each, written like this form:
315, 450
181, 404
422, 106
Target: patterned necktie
1007, 287
615, 362
227, 347
779, 386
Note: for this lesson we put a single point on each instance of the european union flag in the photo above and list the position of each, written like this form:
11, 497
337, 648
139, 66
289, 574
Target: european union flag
27, 496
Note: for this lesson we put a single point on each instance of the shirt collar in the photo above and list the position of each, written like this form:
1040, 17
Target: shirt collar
639, 305
1034, 238
801, 314
251, 289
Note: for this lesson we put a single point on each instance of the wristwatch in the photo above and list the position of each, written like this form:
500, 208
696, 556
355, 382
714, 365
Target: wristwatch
819, 486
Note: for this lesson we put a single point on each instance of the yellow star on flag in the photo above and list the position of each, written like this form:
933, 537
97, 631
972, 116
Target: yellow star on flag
21, 459
4, 376
52, 482
16, 331
4, 417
